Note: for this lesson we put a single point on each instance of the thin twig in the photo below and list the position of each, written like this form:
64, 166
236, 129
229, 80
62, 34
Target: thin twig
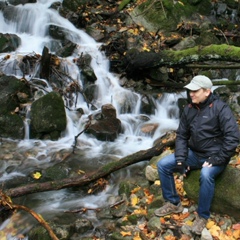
75, 139
6, 202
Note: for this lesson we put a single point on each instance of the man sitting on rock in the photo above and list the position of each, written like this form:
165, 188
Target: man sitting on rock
207, 137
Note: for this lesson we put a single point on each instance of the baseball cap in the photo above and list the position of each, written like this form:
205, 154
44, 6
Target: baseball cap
199, 81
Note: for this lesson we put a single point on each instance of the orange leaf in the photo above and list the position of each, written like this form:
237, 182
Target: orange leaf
236, 234
124, 234
136, 189
170, 237
150, 199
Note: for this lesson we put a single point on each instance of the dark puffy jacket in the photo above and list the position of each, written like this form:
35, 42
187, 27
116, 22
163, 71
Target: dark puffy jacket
209, 129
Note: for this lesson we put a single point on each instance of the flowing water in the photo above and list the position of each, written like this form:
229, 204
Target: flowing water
30, 23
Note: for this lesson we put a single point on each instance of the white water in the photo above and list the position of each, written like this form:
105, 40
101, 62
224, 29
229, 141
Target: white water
31, 25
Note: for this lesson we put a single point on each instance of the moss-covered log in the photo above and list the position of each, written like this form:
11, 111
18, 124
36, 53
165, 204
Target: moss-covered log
142, 60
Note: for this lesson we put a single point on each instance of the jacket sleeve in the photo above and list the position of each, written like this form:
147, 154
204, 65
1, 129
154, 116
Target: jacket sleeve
231, 136
183, 134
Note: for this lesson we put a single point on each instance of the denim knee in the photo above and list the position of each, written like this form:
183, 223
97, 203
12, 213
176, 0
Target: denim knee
206, 175
166, 162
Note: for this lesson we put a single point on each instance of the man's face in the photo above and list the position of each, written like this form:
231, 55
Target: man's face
199, 95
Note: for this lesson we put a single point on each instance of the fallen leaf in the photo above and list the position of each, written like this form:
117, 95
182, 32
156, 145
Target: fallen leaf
210, 224
135, 189
123, 29
124, 234
236, 226
140, 211
157, 182
215, 230
170, 237
134, 200
36, 175
236, 234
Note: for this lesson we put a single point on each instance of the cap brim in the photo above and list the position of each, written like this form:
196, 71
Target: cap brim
192, 87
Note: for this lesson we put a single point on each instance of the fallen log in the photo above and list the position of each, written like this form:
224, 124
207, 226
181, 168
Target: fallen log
175, 85
165, 141
137, 61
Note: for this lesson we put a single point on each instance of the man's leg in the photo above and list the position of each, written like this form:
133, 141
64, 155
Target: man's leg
206, 192
207, 187
166, 168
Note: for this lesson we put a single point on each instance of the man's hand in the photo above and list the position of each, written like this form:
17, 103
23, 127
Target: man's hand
206, 164
182, 168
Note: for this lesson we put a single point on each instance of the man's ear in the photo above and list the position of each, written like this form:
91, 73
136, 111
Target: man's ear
208, 91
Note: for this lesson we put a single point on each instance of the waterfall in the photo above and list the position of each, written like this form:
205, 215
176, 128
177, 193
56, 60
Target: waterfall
30, 22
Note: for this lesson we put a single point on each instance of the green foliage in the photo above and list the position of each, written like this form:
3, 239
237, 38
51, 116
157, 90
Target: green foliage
123, 4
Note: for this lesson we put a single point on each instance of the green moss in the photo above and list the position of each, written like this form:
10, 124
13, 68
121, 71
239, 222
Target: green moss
132, 219
168, 14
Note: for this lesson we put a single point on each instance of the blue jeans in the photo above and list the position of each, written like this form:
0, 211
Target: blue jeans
166, 168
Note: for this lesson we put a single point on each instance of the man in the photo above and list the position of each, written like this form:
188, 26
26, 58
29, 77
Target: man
207, 137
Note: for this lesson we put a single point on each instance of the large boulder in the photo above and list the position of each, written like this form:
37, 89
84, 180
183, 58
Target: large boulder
14, 93
226, 198
48, 117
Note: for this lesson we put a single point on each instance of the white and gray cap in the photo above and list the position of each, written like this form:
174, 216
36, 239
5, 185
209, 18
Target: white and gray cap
199, 81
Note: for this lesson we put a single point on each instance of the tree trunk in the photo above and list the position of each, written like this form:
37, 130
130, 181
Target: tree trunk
165, 141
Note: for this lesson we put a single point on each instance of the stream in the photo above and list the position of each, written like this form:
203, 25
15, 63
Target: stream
30, 22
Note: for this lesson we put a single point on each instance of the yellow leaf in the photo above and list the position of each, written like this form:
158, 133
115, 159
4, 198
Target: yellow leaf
90, 190
145, 48
210, 224
37, 175
140, 211
189, 223
80, 171
134, 200
124, 234
157, 182
215, 230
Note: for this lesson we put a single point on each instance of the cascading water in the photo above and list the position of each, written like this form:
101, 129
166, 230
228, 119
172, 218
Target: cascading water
30, 23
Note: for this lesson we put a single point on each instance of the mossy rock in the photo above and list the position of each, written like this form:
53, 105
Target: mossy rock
39, 233
226, 198
48, 116
11, 126
166, 15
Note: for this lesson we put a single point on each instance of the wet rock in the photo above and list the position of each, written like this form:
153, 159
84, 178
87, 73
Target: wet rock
38, 233
206, 235
9, 42
13, 92
48, 117
83, 225
106, 126
17, 2
154, 224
